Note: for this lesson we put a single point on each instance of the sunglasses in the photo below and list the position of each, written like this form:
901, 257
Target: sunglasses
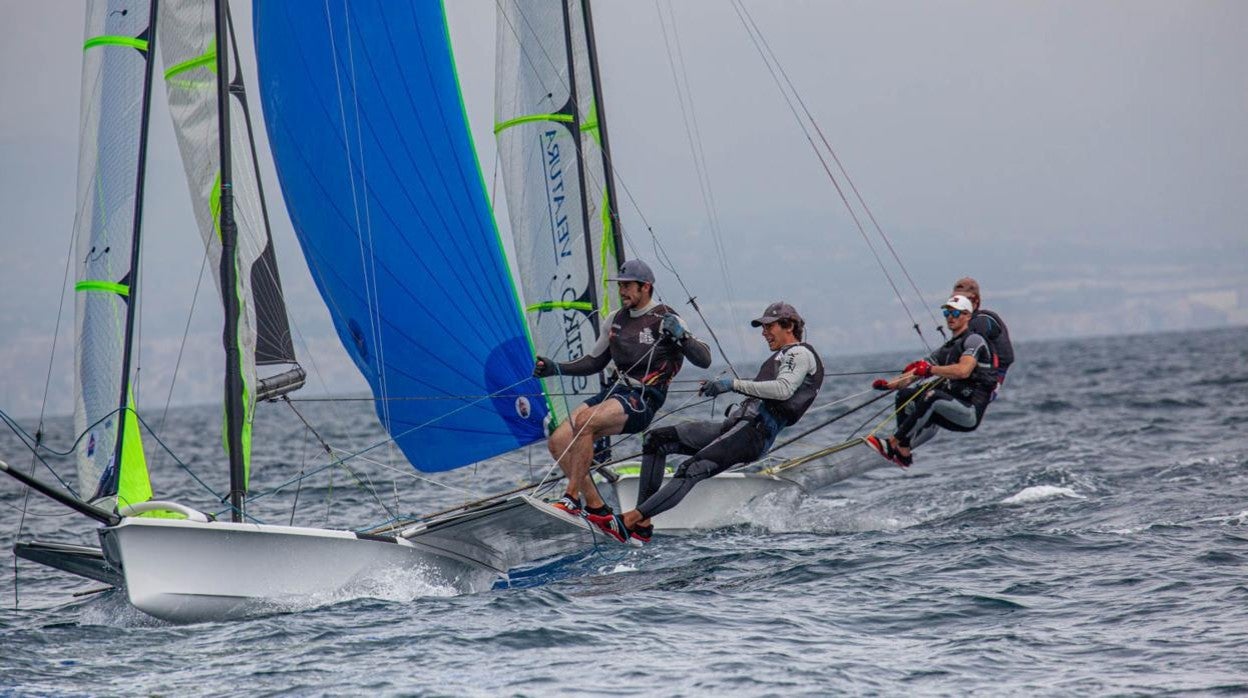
953, 312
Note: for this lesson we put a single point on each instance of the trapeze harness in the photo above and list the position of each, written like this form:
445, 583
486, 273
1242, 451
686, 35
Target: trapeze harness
640, 364
991, 327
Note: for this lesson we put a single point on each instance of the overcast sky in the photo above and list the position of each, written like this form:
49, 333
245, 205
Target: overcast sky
1086, 161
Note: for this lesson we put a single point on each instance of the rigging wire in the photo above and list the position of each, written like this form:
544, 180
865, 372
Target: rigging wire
693, 135
831, 177
186, 332
370, 289
831, 151
660, 252
47, 384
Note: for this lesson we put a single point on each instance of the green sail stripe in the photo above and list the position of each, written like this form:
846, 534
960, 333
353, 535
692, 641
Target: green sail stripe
529, 118
134, 485
249, 398
105, 286
559, 305
214, 205
207, 60
110, 40
590, 124
608, 243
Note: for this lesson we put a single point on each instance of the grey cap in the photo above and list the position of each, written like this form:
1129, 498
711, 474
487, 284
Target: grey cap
634, 270
777, 311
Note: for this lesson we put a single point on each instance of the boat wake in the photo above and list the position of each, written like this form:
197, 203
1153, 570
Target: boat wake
784, 513
1041, 493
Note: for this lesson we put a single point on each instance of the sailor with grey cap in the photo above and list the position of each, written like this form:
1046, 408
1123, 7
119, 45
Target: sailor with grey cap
647, 342
779, 395
957, 403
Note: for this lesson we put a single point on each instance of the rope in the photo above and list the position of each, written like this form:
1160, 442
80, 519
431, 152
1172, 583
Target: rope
660, 253
751, 29
922, 389
694, 137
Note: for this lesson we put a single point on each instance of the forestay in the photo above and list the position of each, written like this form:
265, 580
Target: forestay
555, 175
372, 148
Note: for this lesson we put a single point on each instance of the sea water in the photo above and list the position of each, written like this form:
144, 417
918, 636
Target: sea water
1090, 538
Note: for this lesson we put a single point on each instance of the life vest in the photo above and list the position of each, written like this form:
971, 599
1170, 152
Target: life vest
991, 327
631, 340
976, 388
787, 412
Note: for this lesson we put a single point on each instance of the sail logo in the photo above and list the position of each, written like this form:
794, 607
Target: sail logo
556, 196
523, 408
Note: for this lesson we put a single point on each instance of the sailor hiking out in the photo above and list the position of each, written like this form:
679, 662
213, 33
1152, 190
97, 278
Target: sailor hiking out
990, 326
965, 363
781, 392
648, 342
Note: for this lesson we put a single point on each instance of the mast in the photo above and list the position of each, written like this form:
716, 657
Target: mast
132, 304
613, 212
580, 167
229, 278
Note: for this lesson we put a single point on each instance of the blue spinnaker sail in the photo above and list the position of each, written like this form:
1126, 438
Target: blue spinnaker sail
372, 147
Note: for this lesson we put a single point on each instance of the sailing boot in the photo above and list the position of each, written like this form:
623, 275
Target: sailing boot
612, 525
568, 505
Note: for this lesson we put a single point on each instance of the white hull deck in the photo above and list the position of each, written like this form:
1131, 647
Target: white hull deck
186, 571
730, 498
511, 534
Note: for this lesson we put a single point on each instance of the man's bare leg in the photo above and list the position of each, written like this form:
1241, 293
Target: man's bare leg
558, 444
573, 445
604, 419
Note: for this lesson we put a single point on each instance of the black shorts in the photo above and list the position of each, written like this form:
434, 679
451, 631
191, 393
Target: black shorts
640, 404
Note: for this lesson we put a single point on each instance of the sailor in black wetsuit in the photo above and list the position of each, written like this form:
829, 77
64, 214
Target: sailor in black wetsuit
779, 395
648, 342
988, 325
958, 403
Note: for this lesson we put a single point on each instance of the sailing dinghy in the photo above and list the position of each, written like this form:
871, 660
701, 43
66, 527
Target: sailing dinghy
381, 181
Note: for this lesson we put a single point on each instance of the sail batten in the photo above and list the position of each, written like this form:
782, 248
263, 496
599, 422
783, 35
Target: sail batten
383, 187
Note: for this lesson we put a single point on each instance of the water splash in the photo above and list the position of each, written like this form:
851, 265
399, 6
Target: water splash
1040, 493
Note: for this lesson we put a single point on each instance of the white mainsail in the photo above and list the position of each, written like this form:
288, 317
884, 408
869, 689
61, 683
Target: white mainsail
115, 55
553, 172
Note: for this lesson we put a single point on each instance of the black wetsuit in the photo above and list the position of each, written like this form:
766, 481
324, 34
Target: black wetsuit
645, 359
780, 394
957, 405
991, 327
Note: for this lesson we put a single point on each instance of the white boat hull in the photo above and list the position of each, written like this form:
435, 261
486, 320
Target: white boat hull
510, 534
185, 572
731, 498
724, 500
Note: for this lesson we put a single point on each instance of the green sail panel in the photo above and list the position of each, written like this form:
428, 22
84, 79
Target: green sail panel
114, 61
553, 176
188, 51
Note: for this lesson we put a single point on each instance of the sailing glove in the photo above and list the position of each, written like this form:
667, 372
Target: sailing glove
718, 386
673, 327
544, 368
920, 368
880, 384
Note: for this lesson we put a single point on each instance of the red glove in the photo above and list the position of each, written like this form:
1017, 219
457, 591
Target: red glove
920, 368
879, 384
